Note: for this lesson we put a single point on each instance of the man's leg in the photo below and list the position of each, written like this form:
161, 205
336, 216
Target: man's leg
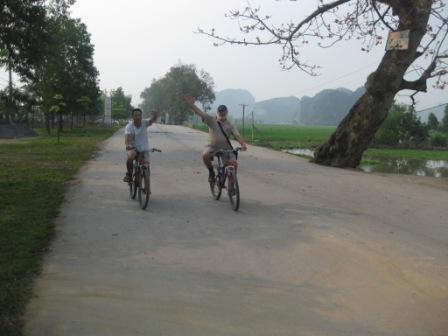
207, 158
129, 164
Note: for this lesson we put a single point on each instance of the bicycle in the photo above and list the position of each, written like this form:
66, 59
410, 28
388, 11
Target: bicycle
225, 178
140, 180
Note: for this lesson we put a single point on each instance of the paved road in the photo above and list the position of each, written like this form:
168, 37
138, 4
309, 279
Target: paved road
313, 251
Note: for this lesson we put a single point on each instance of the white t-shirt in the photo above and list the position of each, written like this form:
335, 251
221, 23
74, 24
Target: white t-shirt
139, 135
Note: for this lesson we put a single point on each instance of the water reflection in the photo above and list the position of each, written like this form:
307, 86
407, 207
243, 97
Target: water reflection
434, 168
301, 151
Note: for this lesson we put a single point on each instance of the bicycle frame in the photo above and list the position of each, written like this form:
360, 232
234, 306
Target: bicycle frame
224, 170
140, 165
226, 179
140, 181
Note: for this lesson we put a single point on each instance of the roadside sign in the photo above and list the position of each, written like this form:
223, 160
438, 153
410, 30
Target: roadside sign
398, 40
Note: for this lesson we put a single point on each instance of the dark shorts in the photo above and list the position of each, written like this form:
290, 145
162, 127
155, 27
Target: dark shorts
132, 154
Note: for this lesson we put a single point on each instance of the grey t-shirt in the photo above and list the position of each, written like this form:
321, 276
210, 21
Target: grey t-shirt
216, 139
139, 135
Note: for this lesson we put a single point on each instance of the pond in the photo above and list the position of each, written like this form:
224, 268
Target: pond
434, 168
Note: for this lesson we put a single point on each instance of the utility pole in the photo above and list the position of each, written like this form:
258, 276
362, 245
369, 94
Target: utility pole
244, 107
253, 126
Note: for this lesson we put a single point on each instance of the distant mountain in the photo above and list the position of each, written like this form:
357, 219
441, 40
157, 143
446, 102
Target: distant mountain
284, 110
328, 107
233, 98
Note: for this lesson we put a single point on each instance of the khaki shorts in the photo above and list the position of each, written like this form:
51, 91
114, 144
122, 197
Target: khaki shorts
227, 157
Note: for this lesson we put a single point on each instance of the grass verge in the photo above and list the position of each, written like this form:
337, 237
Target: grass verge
33, 174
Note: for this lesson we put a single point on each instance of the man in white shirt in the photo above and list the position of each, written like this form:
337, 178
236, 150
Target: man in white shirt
136, 138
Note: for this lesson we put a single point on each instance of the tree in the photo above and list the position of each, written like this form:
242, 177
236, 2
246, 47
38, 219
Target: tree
153, 96
401, 127
57, 109
22, 30
433, 122
50, 51
365, 20
167, 93
66, 69
121, 104
445, 120
390, 133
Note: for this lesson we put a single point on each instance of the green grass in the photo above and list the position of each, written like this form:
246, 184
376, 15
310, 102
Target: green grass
284, 136
33, 175
414, 154
291, 136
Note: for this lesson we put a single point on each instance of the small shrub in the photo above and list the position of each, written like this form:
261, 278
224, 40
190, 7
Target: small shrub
438, 139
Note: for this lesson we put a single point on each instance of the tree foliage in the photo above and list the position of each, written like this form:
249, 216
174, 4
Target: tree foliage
53, 55
22, 32
445, 120
167, 94
401, 127
121, 104
433, 122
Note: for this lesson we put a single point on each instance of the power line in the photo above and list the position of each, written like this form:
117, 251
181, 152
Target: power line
431, 107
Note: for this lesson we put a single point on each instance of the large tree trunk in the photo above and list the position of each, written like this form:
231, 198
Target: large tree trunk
352, 137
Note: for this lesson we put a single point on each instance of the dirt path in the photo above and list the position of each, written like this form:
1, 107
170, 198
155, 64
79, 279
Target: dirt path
313, 251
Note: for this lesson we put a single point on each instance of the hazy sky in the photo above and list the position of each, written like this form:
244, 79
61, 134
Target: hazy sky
138, 40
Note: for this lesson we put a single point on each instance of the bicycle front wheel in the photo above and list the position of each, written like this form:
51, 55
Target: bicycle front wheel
144, 190
133, 184
233, 190
215, 187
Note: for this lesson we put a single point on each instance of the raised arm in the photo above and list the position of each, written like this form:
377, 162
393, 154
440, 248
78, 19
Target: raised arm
154, 114
128, 141
189, 99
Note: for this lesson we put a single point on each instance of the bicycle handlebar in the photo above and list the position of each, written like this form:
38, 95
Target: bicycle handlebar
227, 151
151, 150
237, 149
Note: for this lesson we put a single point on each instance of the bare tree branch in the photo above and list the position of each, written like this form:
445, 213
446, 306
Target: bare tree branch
316, 13
381, 16
421, 83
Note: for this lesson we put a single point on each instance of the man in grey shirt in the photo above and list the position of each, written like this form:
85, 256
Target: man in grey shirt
216, 137
136, 138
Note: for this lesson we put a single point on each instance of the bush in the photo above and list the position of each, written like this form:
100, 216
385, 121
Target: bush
402, 126
438, 139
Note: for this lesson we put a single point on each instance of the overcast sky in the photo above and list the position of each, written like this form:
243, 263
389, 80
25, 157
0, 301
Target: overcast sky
138, 40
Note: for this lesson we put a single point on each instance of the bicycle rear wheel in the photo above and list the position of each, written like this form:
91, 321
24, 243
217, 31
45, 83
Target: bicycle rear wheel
215, 187
133, 184
144, 190
233, 190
